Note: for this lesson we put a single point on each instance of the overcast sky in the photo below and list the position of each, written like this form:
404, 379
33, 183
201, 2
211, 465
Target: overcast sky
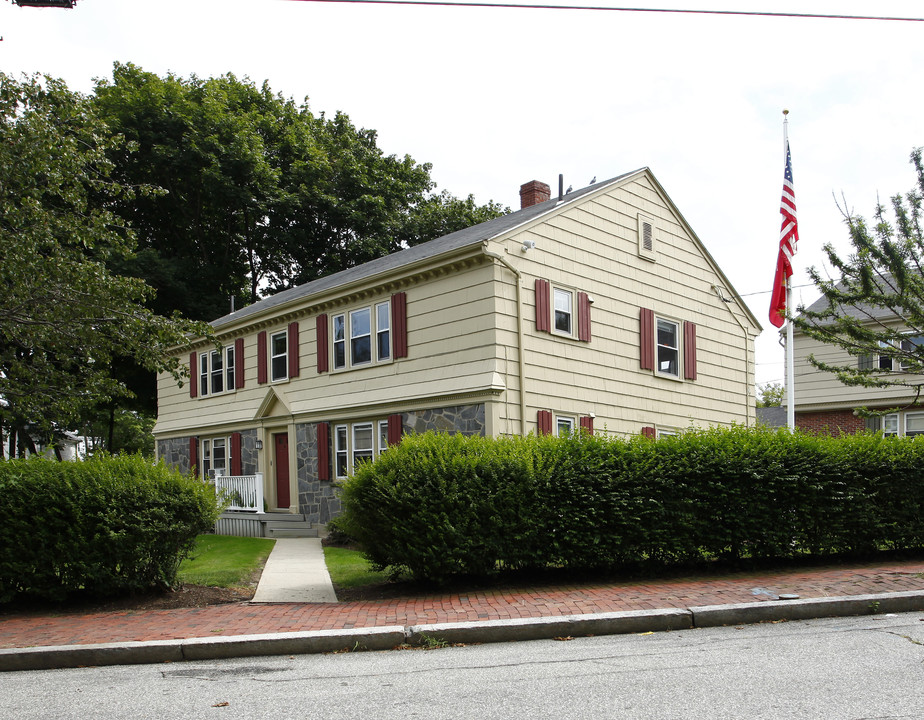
496, 97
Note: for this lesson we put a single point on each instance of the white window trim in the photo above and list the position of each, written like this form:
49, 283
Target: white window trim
207, 371
284, 334
559, 420
206, 455
376, 310
678, 348
904, 424
911, 335
379, 442
665, 432
572, 297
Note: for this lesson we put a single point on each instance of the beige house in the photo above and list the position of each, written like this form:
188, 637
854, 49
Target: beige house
598, 309
824, 404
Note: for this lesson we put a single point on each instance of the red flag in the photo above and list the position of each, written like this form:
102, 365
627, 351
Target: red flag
789, 237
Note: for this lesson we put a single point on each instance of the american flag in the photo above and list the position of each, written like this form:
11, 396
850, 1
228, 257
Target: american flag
789, 238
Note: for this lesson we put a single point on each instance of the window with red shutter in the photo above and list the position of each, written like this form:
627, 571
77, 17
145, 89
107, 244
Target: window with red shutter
236, 464
543, 308
292, 349
193, 375
261, 357
646, 339
545, 422
689, 351
322, 342
583, 317
194, 455
649, 432
323, 451
399, 324
239, 363
394, 429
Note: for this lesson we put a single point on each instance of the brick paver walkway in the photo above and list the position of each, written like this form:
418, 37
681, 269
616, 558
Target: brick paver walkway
251, 618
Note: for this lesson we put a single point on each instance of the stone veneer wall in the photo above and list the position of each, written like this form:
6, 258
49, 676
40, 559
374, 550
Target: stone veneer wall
175, 452
319, 501
465, 419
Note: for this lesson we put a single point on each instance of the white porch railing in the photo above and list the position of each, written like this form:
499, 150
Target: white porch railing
244, 491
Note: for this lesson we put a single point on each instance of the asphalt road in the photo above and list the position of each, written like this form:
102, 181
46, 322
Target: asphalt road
866, 667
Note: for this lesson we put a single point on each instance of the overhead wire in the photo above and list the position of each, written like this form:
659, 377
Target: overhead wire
605, 8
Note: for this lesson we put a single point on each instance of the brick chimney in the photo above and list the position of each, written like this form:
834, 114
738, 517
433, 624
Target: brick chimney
533, 193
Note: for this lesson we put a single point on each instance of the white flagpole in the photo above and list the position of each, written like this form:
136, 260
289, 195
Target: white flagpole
790, 374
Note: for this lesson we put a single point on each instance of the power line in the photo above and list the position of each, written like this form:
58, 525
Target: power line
532, 6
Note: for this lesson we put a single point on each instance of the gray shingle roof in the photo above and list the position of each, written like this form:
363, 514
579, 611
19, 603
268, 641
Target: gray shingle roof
454, 241
860, 311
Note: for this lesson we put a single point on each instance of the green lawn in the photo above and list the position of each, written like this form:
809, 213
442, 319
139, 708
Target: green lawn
349, 569
224, 561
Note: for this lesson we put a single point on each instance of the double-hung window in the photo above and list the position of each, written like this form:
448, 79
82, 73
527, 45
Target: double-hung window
362, 336
911, 344
279, 356
216, 371
914, 424
564, 425
563, 302
356, 443
668, 347
214, 457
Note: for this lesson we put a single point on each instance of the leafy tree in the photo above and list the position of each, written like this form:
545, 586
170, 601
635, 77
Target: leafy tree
261, 194
65, 317
875, 309
770, 395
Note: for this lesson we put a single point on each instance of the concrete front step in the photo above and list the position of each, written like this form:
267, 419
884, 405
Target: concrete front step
289, 530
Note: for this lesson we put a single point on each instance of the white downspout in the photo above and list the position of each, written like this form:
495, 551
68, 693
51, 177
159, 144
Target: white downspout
521, 353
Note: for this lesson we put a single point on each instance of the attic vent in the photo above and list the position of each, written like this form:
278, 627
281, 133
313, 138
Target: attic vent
646, 247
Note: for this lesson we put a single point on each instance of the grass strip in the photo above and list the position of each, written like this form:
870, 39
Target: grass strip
224, 561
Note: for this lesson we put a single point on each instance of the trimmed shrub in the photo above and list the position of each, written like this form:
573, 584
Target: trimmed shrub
103, 526
441, 505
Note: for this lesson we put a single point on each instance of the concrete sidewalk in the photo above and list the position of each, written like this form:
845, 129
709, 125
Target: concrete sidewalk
34, 641
295, 572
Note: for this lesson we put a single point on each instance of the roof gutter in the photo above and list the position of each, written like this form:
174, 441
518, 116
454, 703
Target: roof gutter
521, 354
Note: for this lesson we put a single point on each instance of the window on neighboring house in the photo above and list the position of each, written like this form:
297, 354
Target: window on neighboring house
884, 362
914, 423
279, 356
368, 343
564, 425
563, 304
216, 371
911, 344
668, 347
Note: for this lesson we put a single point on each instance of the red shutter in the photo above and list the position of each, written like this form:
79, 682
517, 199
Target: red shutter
689, 351
394, 429
649, 432
236, 465
239, 363
646, 339
261, 357
543, 311
194, 455
292, 349
545, 422
587, 423
583, 317
323, 349
193, 375
323, 451
399, 324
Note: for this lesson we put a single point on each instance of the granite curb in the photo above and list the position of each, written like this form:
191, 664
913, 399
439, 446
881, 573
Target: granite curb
389, 637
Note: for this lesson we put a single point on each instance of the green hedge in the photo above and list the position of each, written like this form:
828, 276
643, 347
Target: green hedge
104, 526
441, 505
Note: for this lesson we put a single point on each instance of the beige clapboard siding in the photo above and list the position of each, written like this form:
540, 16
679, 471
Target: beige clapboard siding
594, 249
451, 350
